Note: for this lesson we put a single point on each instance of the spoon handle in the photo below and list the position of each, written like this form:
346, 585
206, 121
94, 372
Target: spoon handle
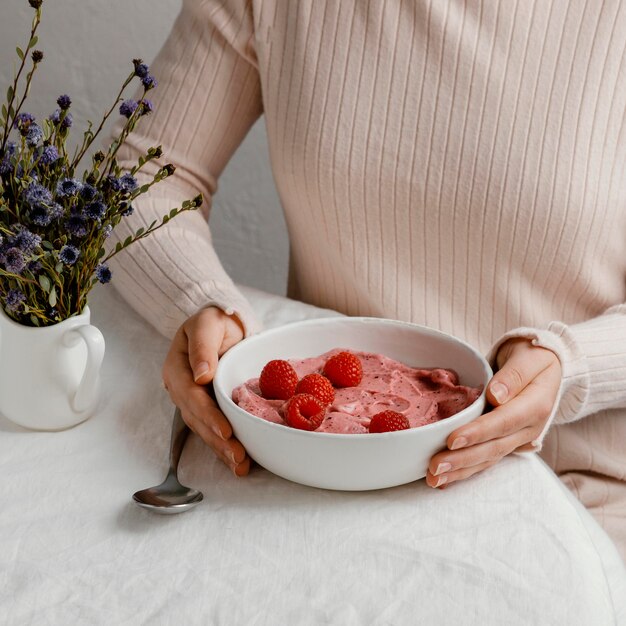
180, 430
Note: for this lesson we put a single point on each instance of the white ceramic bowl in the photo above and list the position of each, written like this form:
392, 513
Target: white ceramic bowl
337, 461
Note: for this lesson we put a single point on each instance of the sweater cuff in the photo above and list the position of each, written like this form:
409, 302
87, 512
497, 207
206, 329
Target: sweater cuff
233, 303
593, 361
554, 342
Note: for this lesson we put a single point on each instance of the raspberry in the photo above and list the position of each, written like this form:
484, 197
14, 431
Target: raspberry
304, 411
386, 421
278, 380
318, 386
344, 370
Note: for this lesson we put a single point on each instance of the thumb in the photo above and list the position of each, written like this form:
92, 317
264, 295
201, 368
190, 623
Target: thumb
523, 363
204, 338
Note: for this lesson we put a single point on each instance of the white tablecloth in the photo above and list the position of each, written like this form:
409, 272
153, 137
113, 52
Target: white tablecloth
510, 546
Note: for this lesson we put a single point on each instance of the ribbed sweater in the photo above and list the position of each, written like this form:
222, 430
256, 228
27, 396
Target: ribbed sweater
455, 164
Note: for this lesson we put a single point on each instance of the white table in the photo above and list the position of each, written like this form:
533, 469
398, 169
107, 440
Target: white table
510, 546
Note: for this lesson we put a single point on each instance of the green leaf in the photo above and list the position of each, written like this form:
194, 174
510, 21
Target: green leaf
45, 283
101, 253
5, 113
52, 298
33, 42
47, 245
173, 213
9, 93
34, 320
58, 268
140, 232
20, 53
166, 219
127, 241
144, 188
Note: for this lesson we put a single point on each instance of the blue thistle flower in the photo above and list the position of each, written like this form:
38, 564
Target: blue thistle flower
96, 210
64, 102
88, 192
25, 240
141, 69
69, 254
77, 225
128, 182
127, 108
48, 155
14, 261
146, 106
103, 273
40, 215
129, 210
149, 81
5, 164
66, 122
34, 135
114, 183
23, 121
37, 195
14, 300
34, 266
68, 187
56, 211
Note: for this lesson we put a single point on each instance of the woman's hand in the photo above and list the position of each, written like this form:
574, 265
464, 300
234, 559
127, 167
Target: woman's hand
523, 392
189, 366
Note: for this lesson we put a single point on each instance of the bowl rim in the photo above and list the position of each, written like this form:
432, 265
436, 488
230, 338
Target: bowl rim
441, 424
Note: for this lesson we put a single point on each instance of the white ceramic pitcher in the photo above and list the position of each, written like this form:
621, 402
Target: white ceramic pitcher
49, 376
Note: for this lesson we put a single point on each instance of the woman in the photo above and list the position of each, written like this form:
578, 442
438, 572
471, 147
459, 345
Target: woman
454, 164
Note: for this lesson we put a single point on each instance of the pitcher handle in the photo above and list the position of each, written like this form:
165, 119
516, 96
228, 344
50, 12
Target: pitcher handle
88, 387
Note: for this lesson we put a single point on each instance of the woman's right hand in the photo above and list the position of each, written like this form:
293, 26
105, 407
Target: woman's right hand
189, 366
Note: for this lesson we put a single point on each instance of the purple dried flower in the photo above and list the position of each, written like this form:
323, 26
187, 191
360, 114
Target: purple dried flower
23, 121
26, 241
129, 210
68, 187
34, 135
66, 122
5, 164
107, 230
69, 254
34, 266
88, 192
48, 155
40, 215
128, 182
77, 225
14, 261
37, 195
103, 273
127, 108
141, 69
64, 102
96, 210
14, 300
149, 81
35, 3
56, 211
146, 106
37, 56
113, 183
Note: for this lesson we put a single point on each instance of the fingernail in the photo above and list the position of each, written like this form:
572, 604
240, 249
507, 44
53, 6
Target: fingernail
441, 480
442, 467
201, 370
499, 392
459, 442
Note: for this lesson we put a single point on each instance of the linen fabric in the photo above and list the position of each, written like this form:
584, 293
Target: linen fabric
454, 164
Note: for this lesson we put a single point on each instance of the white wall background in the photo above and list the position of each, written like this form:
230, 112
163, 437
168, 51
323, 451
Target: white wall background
88, 47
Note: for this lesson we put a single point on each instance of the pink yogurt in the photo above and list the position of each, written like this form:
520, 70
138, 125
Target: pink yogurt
424, 396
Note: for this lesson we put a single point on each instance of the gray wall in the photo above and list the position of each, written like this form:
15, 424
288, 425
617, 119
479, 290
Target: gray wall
88, 47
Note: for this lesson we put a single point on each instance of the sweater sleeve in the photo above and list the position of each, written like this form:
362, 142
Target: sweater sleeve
593, 360
208, 97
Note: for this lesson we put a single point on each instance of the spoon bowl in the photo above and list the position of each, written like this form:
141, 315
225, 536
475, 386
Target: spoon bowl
170, 496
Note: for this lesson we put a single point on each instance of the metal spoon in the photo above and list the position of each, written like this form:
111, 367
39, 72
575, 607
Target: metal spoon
170, 496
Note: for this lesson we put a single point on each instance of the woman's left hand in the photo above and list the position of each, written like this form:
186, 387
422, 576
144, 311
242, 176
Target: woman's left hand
523, 392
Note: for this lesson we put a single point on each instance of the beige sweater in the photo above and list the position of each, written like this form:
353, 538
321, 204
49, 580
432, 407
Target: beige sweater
455, 164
